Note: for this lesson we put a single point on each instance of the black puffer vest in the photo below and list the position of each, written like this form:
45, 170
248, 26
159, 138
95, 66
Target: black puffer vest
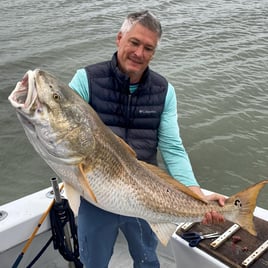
133, 117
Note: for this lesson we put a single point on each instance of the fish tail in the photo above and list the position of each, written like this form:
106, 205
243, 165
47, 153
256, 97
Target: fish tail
245, 203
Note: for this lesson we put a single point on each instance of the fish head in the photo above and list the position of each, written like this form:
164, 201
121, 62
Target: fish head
52, 115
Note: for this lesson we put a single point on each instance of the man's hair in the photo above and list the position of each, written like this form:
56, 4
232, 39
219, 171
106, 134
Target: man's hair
146, 19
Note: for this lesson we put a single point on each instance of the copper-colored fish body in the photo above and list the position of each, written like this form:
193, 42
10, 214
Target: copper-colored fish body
96, 164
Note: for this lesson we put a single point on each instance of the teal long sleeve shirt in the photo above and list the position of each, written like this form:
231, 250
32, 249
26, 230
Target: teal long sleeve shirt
170, 144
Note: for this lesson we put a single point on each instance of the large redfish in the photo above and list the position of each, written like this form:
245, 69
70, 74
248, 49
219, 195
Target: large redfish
98, 165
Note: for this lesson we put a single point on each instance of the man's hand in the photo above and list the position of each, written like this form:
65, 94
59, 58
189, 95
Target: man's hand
211, 217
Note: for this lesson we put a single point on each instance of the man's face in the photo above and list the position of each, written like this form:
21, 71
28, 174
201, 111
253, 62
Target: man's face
135, 50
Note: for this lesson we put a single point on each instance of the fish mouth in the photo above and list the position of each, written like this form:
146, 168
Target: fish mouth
24, 96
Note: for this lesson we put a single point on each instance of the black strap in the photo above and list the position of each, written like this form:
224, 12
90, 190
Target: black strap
36, 258
60, 215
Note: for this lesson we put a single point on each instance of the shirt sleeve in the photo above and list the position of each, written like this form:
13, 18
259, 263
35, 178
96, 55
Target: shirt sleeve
79, 83
170, 143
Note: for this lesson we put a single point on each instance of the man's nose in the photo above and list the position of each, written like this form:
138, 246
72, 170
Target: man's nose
139, 51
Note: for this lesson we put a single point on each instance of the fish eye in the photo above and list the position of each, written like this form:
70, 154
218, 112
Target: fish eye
237, 203
56, 96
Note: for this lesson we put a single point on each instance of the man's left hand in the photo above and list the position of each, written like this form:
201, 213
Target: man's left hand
211, 217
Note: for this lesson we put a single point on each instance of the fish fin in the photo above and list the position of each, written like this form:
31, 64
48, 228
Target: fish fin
85, 183
171, 181
73, 197
130, 150
163, 231
246, 201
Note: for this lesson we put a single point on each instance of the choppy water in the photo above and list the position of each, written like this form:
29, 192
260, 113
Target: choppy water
215, 53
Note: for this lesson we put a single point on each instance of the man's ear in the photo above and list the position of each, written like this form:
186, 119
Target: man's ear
118, 38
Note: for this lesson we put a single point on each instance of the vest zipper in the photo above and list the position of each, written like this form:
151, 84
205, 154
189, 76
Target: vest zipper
128, 115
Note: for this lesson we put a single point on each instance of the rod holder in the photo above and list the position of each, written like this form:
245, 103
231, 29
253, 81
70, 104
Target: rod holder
56, 190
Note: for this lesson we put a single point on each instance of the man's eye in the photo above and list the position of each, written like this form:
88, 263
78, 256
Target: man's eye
134, 43
149, 49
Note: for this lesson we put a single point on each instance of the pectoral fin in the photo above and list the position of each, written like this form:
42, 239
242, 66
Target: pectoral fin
85, 183
163, 231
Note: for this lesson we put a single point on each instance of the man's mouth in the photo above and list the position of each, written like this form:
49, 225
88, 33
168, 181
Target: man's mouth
135, 60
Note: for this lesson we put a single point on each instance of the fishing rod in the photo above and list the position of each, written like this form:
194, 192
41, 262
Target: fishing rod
29, 241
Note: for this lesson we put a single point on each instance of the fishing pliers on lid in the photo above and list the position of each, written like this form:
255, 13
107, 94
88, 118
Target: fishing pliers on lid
195, 238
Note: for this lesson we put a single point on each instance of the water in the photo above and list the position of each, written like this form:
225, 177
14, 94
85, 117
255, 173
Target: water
215, 53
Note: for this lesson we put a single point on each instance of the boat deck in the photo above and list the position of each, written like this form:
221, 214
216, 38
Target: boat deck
122, 259
52, 258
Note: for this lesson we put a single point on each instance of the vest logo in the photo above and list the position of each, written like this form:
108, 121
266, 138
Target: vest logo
147, 112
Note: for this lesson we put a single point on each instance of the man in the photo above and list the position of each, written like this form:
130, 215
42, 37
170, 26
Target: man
139, 105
